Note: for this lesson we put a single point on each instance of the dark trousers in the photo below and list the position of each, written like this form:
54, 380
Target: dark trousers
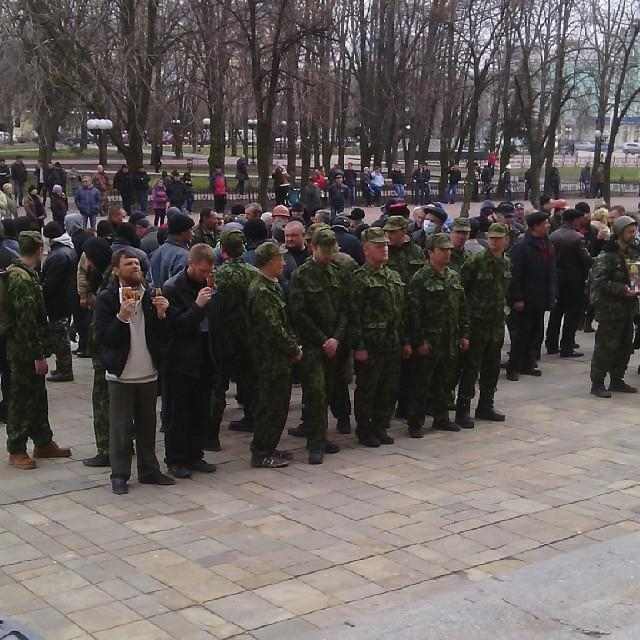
81, 322
189, 403
219, 203
527, 331
272, 405
127, 201
132, 409
570, 309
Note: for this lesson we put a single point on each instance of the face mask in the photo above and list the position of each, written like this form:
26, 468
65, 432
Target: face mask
429, 226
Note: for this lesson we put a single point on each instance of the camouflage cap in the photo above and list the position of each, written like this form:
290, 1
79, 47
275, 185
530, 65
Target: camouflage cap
267, 251
29, 241
232, 239
374, 235
396, 223
497, 230
439, 241
461, 224
312, 228
325, 239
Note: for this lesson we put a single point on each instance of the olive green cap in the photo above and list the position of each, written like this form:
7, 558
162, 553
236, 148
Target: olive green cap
312, 228
374, 235
440, 241
325, 239
497, 230
461, 224
267, 251
29, 241
396, 223
232, 239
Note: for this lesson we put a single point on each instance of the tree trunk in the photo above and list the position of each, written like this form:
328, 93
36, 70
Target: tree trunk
305, 152
265, 150
471, 177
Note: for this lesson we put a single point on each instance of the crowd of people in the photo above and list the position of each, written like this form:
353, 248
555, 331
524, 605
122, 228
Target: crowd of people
414, 305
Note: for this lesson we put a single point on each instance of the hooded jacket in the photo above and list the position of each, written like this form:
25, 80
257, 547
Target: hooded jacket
59, 278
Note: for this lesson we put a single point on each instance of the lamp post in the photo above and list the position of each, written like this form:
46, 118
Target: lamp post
252, 122
177, 137
100, 126
283, 142
206, 123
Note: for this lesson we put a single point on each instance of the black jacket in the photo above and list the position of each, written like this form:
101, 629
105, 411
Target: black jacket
123, 183
188, 350
349, 244
59, 280
533, 273
572, 260
113, 338
177, 193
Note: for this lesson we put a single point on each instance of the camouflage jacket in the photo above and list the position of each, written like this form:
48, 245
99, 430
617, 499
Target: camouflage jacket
458, 258
608, 279
28, 337
316, 303
406, 259
486, 281
230, 305
271, 334
377, 314
437, 309
204, 236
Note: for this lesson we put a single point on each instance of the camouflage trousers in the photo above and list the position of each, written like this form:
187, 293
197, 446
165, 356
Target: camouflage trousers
271, 409
245, 391
60, 346
481, 360
376, 391
318, 378
100, 401
434, 378
28, 406
612, 349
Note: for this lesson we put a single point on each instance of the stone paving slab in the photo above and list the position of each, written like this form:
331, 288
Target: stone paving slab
247, 553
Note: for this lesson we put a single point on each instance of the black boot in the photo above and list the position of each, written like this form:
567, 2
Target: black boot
463, 419
485, 411
444, 424
599, 390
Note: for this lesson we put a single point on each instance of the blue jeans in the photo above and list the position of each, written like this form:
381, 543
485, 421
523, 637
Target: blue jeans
352, 194
452, 191
399, 190
143, 200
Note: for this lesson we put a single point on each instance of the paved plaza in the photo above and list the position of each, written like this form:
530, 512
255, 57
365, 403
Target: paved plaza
303, 551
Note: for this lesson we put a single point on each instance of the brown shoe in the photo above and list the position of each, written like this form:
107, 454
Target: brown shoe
51, 450
22, 461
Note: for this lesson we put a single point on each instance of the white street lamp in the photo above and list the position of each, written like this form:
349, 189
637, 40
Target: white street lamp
206, 122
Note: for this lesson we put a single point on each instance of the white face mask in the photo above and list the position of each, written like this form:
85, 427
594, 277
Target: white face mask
429, 226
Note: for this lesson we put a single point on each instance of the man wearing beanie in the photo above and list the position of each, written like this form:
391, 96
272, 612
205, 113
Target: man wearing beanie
27, 351
615, 299
58, 277
172, 257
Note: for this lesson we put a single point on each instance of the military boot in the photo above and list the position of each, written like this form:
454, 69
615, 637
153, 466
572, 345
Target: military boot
599, 390
486, 411
51, 450
463, 409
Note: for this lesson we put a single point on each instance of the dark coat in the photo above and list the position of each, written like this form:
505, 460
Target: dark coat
349, 244
188, 344
113, 339
59, 280
123, 183
533, 273
572, 260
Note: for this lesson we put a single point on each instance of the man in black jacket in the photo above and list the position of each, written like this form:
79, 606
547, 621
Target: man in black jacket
189, 378
59, 290
347, 242
573, 263
130, 329
531, 293
123, 184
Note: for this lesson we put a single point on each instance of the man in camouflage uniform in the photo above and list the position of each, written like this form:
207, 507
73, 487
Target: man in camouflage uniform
439, 331
407, 258
317, 309
27, 350
274, 348
459, 235
230, 336
615, 303
377, 327
485, 277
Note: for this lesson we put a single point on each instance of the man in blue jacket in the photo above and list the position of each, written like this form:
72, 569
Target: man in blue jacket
88, 201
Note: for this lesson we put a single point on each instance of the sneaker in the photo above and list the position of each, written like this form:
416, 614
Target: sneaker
157, 477
268, 462
600, 391
316, 456
202, 466
51, 450
22, 461
99, 460
344, 425
621, 386
331, 447
179, 471
119, 486
297, 432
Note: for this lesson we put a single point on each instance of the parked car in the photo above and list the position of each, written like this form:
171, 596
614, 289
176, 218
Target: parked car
584, 146
631, 147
